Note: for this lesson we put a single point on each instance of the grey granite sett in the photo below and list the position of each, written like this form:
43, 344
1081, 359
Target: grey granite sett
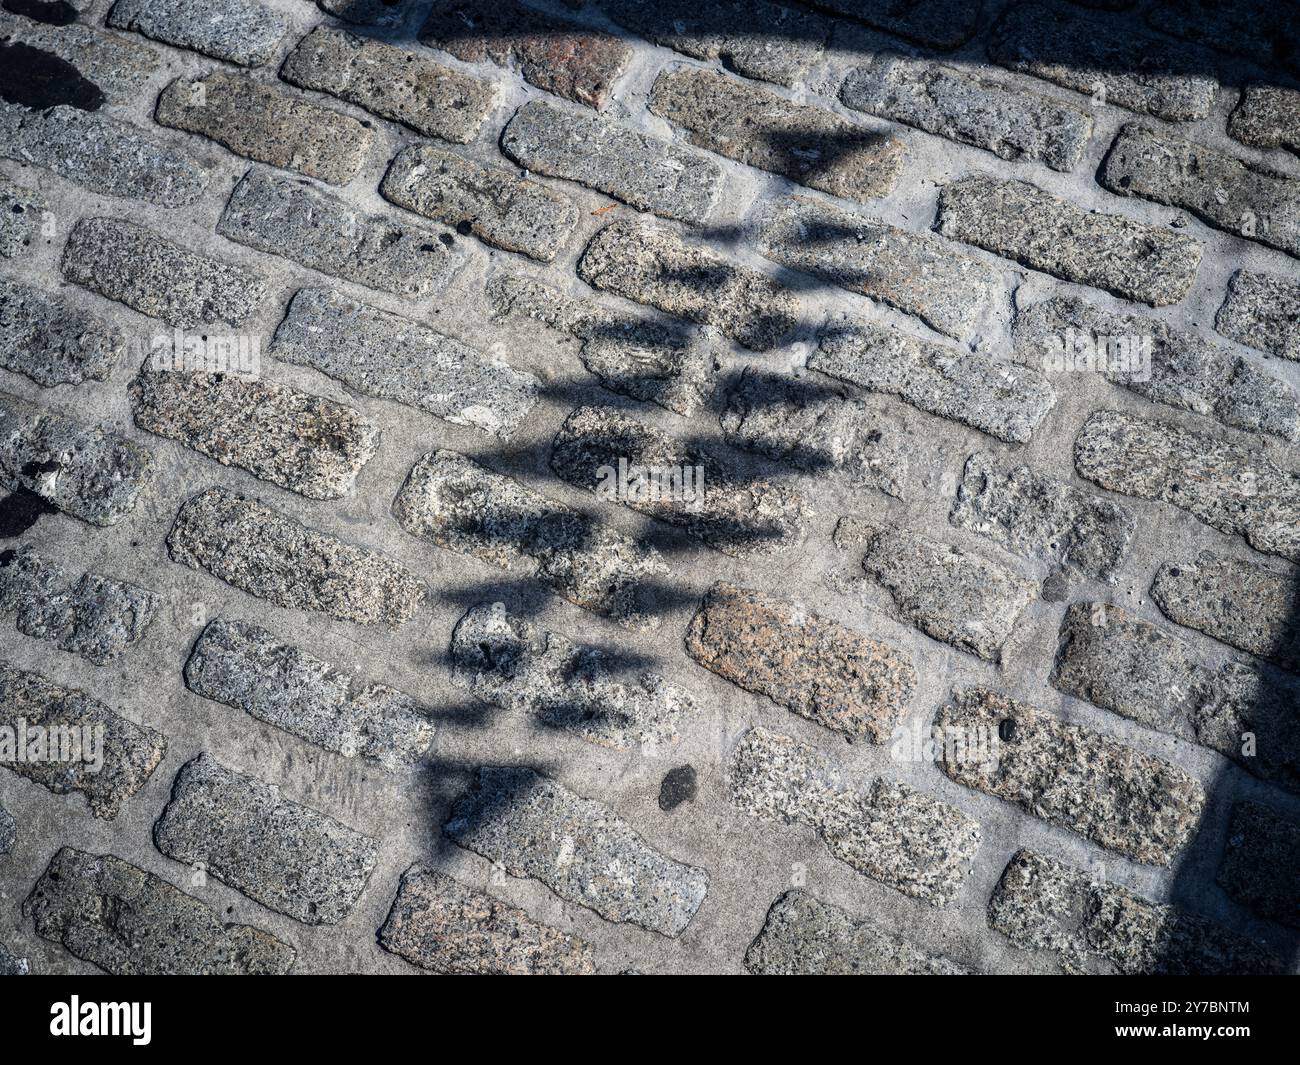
51, 340
22, 210
1267, 116
8, 832
119, 66
240, 31
1263, 312
1259, 863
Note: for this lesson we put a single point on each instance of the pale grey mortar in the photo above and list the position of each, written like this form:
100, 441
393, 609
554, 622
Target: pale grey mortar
119, 66
289, 857
273, 557
52, 341
247, 667
1267, 116
240, 31
21, 210
384, 355
8, 831
1262, 311
581, 850
1121, 798
131, 923
1259, 863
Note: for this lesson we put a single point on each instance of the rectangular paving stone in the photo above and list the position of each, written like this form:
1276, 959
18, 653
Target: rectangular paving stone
729, 508
130, 264
1042, 517
942, 24
392, 83
1003, 119
1149, 675
51, 340
1260, 861
93, 616
301, 442
492, 203
273, 557
119, 66
289, 857
111, 756
285, 216
1219, 189
890, 832
1091, 54
238, 31
754, 126
131, 923
555, 54
268, 124
1020, 221
455, 503
505, 661
1186, 371
1262, 311
1042, 904
752, 37
998, 397
579, 848
102, 154
1261, 30
1120, 798
245, 666
653, 266
440, 924
21, 211
616, 159
390, 357
91, 473
1231, 488
952, 595
916, 273
634, 355
813, 666
1267, 116
804, 936
1241, 603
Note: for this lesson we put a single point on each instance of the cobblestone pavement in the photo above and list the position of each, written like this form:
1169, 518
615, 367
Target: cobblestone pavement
966, 340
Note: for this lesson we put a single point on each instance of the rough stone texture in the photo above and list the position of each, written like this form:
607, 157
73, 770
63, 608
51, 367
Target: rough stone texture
810, 145
942, 24
440, 924
804, 936
1241, 603
552, 53
93, 616
581, 850
289, 857
1141, 806
492, 203
119, 66
613, 158
269, 555
889, 832
239, 31
8, 832
633, 355
1042, 518
311, 446
51, 340
1261, 30
1186, 371
1000, 398
1091, 926
1001, 118
383, 13
269, 124
11, 965
752, 37
246, 667
21, 210
1020, 221
102, 153
509, 663
1267, 116
1090, 54
914, 273
1229, 487
457, 504
128, 263
1221, 190
390, 357
651, 265
1260, 862
391, 82
90, 473
1151, 676
287, 216
811, 665
1262, 311
130, 751
132, 923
